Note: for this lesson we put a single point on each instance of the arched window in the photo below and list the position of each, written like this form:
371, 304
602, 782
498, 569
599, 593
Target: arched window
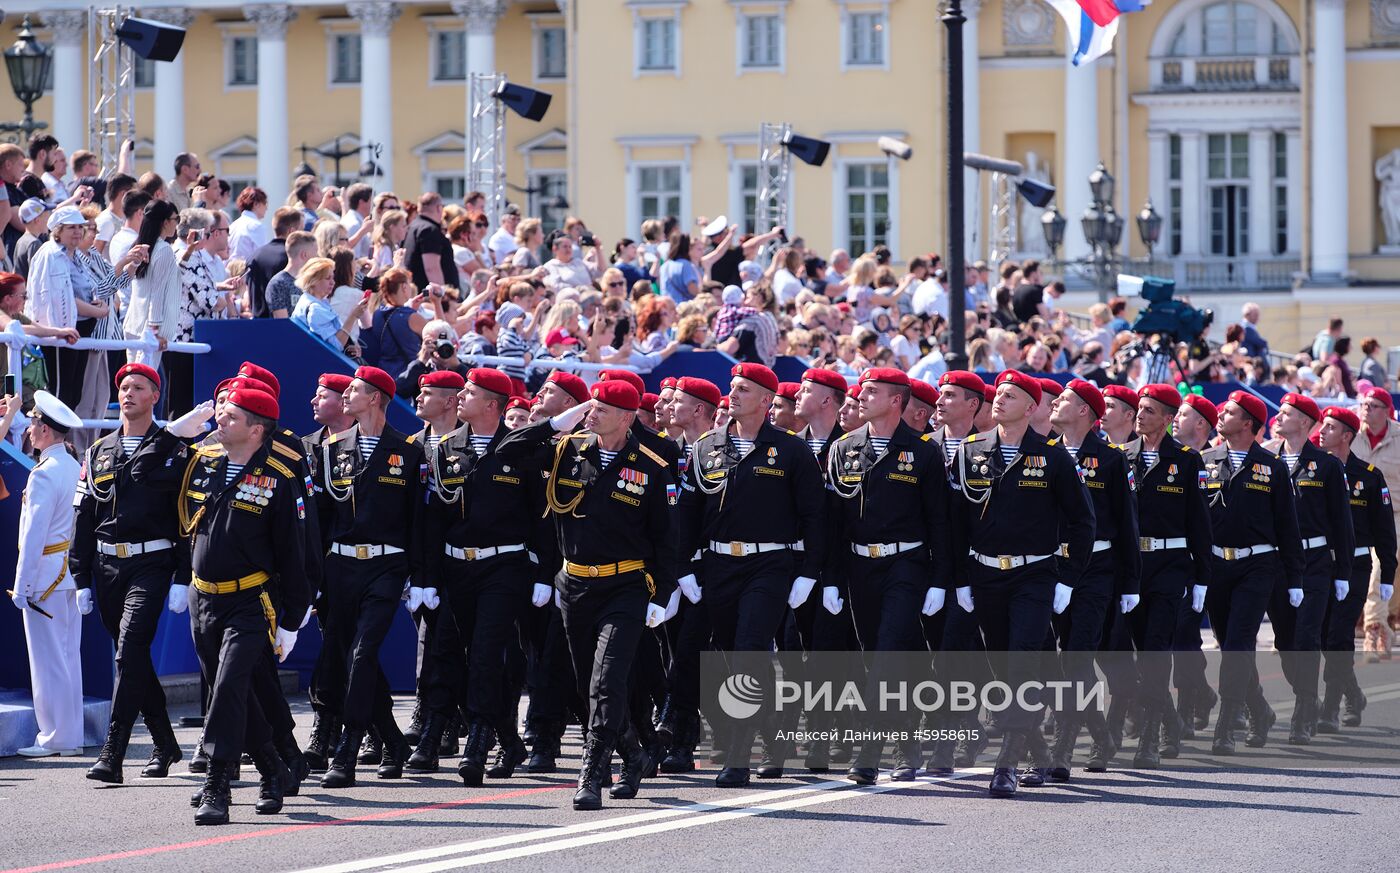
1229, 29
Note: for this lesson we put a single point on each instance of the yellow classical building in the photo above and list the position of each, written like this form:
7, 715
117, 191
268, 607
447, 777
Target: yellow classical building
1266, 134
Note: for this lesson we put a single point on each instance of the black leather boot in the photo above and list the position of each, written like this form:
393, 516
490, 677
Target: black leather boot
1224, 742
775, 755
415, 725
908, 755
974, 742
450, 737
739, 753
1355, 704
1149, 754
322, 746
198, 796
1132, 721
1205, 701
1329, 717
1117, 713
1062, 750
1013, 744
425, 758
544, 749
273, 782
214, 797
200, 762
167, 748
636, 761
109, 761
1185, 706
1103, 746
940, 762
396, 752
597, 751
651, 741
472, 767
1261, 719
668, 723
340, 773
866, 768
295, 760
371, 748
1174, 727
510, 754
1304, 713
1038, 773
680, 754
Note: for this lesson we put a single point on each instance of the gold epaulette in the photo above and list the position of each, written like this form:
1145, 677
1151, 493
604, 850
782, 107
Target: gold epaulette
926, 437
410, 438
210, 451
653, 455
280, 467
792, 432
1053, 441
1370, 468
286, 451
971, 438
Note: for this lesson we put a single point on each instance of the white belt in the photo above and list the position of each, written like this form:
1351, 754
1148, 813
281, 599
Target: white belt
1232, 554
739, 550
1314, 543
883, 550
1157, 544
364, 552
478, 554
127, 550
1361, 552
1006, 562
1099, 546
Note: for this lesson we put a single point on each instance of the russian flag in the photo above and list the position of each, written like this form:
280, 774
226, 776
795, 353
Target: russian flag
1093, 23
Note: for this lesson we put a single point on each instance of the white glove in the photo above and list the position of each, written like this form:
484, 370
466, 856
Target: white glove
655, 615
689, 587
1198, 598
84, 600
964, 596
20, 599
305, 618
801, 588
831, 599
191, 424
1386, 591
1128, 602
415, 598
569, 418
178, 600
1062, 595
933, 601
1342, 587
540, 597
1295, 597
673, 605
430, 598
286, 641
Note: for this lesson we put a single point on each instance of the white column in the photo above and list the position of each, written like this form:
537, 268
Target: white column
481, 18
1261, 193
1329, 140
1158, 173
972, 123
1192, 184
170, 95
1295, 189
274, 145
69, 112
376, 19
1081, 151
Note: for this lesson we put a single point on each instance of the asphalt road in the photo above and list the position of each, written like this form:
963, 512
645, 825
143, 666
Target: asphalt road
1329, 805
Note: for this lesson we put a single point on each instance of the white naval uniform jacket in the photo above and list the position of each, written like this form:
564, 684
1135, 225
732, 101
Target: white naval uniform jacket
46, 519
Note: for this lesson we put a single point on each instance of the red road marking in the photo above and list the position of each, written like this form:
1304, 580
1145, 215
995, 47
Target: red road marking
248, 835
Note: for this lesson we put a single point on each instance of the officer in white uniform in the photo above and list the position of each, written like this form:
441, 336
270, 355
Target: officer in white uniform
44, 590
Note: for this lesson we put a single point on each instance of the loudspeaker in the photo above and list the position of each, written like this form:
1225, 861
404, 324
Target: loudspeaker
807, 150
152, 40
525, 102
1037, 194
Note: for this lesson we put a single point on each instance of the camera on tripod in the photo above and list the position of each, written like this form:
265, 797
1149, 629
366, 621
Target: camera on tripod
1175, 319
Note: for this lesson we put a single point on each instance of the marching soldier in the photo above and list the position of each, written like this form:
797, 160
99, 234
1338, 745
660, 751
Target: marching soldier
1324, 523
923, 403
1255, 543
128, 560
784, 411
1374, 525
1380, 447
1017, 488
245, 512
1120, 404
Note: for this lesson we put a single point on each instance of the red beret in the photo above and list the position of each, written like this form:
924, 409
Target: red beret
1345, 416
1122, 393
1204, 408
576, 387
518, 403
619, 393
853, 392
788, 390
1049, 387
830, 378
1382, 395
233, 383
377, 378
1166, 395
649, 401
336, 382
254, 401
989, 393
1251, 404
492, 380
264, 375
669, 382
137, 370
626, 376
1303, 404
1090, 394
442, 379
758, 374
888, 375
964, 379
1027, 383
723, 402
700, 389
923, 392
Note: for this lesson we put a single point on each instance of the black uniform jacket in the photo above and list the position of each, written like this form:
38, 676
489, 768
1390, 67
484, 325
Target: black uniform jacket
1104, 470
1171, 499
1320, 486
1372, 517
383, 496
1253, 505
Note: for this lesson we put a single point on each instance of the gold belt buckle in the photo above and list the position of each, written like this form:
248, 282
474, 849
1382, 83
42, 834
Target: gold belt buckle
1145, 544
470, 554
877, 551
1004, 562
736, 550
362, 552
592, 572
1230, 553
123, 550
1064, 550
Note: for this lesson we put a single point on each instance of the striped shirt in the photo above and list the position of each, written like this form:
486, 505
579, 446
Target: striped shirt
1291, 460
816, 444
1073, 451
1008, 453
130, 444
879, 444
510, 345
1237, 458
950, 447
744, 446
479, 443
1149, 457
433, 441
606, 457
367, 445
231, 471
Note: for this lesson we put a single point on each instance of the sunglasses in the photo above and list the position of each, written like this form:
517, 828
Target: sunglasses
617, 284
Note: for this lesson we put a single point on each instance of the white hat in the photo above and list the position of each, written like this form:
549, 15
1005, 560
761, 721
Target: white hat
54, 413
716, 227
733, 295
32, 209
66, 215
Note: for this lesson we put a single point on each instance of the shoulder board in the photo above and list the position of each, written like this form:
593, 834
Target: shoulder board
926, 437
1115, 446
663, 433
653, 455
709, 433
791, 432
1053, 441
1188, 450
1370, 468
971, 438
286, 450
280, 467
845, 436
411, 438
336, 437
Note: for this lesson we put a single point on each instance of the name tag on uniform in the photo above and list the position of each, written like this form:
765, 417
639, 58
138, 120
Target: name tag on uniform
247, 507
1309, 483
196, 495
390, 480
509, 480
1093, 483
571, 483
1255, 486
900, 477
1355, 502
769, 471
98, 480
1171, 489
625, 498
1032, 483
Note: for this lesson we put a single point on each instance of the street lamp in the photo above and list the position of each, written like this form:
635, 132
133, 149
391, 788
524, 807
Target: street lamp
28, 61
1103, 231
1149, 224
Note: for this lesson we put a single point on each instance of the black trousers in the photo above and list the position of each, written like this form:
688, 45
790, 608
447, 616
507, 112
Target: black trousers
746, 598
1166, 580
65, 367
1188, 661
1078, 631
231, 639
442, 660
1013, 609
361, 602
684, 673
1236, 600
962, 657
1298, 631
130, 594
603, 620
886, 596
272, 701
1339, 627
549, 674
486, 598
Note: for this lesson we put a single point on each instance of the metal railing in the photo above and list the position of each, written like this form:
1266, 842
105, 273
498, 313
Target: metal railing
1244, 73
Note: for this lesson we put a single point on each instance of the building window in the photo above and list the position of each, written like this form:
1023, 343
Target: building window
1227, 175
656, 44
550, 54
449, 55
748, 195
867, 205
143, 73
452, 188
242, 60
865, 39
1174, 193
345, 58
761, 42
658, 191
1280, 186
547, 187
1230, 29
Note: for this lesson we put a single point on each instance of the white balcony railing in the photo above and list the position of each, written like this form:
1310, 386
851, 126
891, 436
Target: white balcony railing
1259, 73
1206, 273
